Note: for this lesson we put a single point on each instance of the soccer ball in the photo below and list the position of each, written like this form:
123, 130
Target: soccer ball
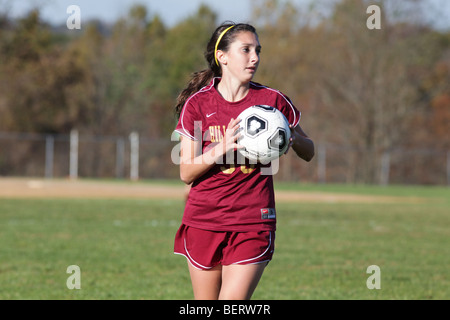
264, 133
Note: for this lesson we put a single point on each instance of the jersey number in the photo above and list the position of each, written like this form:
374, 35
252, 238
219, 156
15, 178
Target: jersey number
232, 169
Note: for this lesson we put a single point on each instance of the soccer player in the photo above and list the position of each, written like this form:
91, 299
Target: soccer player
228, 227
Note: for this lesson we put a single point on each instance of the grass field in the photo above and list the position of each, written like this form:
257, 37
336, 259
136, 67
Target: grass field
323, 247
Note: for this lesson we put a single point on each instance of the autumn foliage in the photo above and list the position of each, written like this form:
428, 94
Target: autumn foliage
362, 92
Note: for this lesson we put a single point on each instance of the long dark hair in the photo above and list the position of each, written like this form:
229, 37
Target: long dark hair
202, 78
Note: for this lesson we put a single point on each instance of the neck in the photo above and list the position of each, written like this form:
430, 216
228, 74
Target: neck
232, 90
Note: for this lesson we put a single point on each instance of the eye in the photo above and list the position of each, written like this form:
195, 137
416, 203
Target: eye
246, 49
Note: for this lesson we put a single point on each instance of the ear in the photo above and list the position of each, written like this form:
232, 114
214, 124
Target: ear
221, 57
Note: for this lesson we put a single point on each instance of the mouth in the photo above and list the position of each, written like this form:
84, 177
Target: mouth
251, 69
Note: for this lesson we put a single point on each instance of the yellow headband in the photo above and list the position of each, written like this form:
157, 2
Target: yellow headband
218, 41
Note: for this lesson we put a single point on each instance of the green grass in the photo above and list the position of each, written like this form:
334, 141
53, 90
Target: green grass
124, 248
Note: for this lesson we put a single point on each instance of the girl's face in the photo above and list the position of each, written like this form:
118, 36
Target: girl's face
242, 58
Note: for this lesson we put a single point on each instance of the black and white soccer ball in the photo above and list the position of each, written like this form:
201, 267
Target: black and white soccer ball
264, 133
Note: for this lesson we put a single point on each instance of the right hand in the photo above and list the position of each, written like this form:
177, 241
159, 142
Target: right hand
231, 136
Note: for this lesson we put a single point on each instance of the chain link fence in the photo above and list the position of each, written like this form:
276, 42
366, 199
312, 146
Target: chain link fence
135, 157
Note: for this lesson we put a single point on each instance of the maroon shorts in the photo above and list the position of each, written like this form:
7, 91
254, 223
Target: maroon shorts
207, 249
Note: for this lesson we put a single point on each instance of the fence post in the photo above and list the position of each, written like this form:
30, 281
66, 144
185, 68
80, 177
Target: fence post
120, 156
73, 170
322, 163
134, 156
385, 168
49, 148
448, 168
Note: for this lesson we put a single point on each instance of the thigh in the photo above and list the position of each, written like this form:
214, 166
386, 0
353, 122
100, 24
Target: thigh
206, 283
240, 281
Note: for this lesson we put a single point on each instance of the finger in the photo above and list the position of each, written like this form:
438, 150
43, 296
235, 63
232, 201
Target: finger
236, 128
235, 137
291, 127
291, 143
235, 122
233, 131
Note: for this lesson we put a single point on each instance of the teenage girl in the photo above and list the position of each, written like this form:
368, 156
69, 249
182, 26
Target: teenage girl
228, 227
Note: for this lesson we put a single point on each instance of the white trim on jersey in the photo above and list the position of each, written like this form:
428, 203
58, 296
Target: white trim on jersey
296, 122
185, 132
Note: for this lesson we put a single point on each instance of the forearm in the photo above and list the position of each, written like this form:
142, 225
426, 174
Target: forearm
303, 145
195, 163
193, 168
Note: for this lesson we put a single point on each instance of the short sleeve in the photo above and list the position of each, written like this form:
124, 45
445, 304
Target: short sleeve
285, 105
188, 124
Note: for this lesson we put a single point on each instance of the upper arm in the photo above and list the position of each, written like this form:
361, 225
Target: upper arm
300, 131
189, 123
189, 150
286, 106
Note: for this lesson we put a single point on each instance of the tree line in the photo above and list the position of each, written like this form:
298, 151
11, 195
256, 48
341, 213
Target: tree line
370, 91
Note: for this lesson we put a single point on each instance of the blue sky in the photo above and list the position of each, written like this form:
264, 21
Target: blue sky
172, 11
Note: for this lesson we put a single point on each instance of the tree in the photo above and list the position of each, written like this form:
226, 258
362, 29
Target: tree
37, 77
369, 90
171, 60
358, 89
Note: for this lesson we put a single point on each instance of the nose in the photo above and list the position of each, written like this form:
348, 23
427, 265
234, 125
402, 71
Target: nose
254, 58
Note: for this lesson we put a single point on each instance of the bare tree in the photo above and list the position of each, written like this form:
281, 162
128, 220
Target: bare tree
366, 84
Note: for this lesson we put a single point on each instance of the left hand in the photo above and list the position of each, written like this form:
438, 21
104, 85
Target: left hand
291, 139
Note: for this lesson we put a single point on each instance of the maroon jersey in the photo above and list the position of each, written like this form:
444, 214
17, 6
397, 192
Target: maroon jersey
232, 195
